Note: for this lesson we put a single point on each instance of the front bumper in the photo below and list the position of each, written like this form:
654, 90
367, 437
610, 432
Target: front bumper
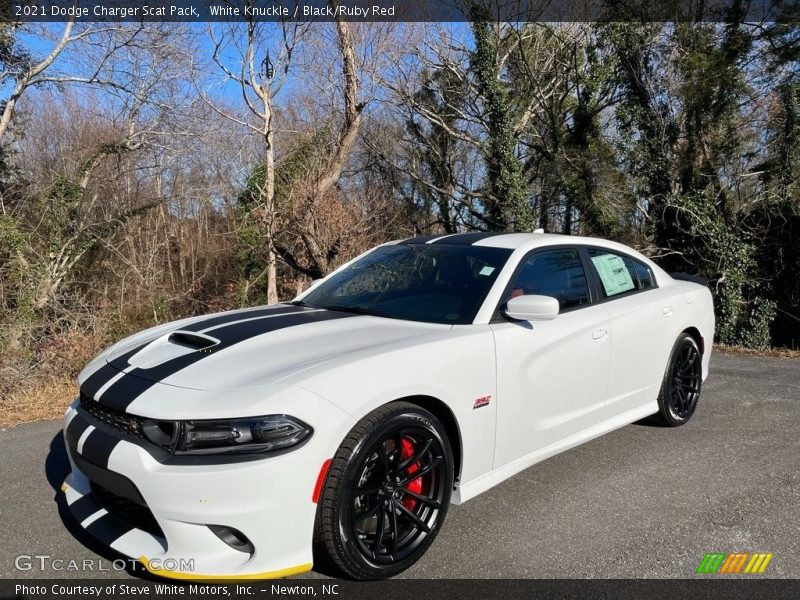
159, 514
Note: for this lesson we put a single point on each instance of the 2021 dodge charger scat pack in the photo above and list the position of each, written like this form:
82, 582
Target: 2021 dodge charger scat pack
342, 424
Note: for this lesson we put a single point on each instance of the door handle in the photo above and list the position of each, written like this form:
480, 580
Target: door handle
599, 334
666, 311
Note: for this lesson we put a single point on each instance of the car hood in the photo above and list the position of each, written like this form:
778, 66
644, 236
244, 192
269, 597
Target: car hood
262, 347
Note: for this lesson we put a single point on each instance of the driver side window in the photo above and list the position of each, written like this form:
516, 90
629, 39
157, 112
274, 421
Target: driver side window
558, 273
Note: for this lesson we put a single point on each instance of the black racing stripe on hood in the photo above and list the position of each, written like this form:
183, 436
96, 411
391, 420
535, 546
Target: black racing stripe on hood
129, 387
98, 379
104, 374
98, 447
108, 529
232, 316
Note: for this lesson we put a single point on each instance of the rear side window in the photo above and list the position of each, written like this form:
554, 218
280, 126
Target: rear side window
619, 274
646, 279
557, 273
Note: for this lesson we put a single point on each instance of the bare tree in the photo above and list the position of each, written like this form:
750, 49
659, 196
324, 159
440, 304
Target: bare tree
262, 70
258, 88
95, 46
352, 109
327, 167
69, 213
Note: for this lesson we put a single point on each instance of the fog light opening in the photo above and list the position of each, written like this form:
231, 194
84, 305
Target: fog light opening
233, 537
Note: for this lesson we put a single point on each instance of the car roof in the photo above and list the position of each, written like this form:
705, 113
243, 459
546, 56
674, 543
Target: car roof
524, 242
511, 241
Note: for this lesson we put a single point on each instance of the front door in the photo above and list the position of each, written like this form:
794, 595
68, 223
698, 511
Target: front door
551, 375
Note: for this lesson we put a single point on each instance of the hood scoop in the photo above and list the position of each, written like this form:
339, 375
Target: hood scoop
170, 346
193, 340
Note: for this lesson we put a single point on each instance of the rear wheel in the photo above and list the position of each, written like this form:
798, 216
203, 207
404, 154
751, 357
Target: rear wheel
680, 388
387, 492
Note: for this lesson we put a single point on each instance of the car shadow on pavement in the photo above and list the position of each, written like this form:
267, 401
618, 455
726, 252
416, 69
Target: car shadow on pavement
651, 421
57, 468
323, 566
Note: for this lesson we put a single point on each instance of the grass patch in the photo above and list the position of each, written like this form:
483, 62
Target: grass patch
47, 398
771, 352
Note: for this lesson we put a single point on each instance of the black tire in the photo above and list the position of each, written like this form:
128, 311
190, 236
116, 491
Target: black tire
370, 525
680, 388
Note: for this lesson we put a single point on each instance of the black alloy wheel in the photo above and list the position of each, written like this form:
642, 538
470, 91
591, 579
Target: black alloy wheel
680, 389
685, 385
399, 495
387, 492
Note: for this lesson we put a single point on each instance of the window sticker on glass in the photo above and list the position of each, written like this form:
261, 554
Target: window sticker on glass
486, 271
613, 273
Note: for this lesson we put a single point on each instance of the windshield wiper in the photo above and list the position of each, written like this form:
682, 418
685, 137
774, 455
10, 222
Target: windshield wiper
357, 310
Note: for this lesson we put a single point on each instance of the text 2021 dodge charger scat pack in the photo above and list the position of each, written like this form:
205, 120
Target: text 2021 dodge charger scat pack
341, 425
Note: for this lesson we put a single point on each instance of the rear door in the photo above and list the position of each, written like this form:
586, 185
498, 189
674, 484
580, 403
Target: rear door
642, 321
551, 375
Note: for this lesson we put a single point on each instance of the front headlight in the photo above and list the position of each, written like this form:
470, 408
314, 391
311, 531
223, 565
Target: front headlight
268, 434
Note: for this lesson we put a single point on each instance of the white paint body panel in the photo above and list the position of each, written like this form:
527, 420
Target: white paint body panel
552, 379
553, 385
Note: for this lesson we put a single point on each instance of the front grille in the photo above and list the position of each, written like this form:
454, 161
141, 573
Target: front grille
137, 515
113, 418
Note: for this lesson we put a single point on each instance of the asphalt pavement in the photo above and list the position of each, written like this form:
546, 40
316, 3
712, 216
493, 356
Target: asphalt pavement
643, 501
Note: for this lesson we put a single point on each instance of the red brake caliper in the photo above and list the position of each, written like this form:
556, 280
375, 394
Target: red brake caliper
415, 485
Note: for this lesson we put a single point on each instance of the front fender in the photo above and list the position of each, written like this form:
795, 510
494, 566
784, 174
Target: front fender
455, 370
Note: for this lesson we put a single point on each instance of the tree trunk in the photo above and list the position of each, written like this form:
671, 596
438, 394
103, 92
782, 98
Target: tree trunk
352, 111
269, 201
27, 79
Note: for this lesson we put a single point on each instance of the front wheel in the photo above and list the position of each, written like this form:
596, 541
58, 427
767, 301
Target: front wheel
680, 388
386, 493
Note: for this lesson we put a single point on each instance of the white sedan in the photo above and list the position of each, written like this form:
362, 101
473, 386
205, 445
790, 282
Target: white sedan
340, 426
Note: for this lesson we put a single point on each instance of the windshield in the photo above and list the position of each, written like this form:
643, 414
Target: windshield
437, 283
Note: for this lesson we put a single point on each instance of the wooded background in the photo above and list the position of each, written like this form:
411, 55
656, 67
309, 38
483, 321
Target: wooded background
154, 171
